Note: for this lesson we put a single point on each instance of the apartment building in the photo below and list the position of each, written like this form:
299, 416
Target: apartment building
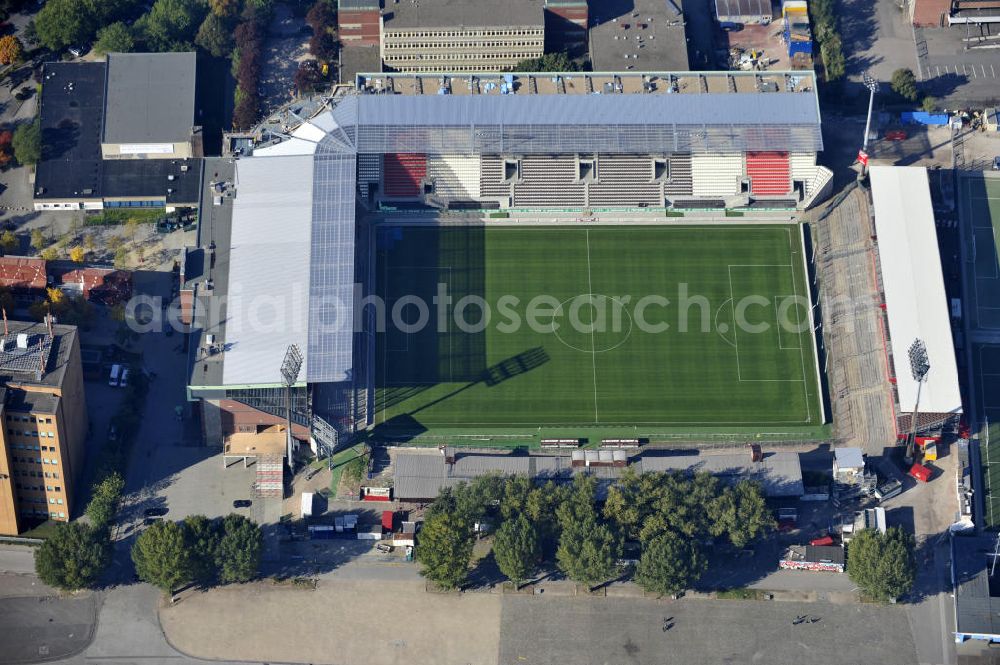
44, 415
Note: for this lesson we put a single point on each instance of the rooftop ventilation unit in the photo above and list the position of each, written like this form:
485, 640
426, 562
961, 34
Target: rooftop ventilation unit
22, 340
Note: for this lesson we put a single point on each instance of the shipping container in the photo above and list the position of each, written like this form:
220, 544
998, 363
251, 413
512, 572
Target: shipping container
307, 504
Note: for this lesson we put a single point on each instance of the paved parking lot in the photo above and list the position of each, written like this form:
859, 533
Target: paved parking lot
538, 631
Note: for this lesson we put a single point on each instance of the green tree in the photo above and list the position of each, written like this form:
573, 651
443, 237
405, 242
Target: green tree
114, 38
161, 556
171, 25
550, 62
883, 565
27, 143
904, 84
239, 551
445, 548
72, 557
929, 104
121, 258
202, 537
38, 240
832, 52
740, 513
224, 8
588, 551
215, 36
63, 23
669, 564
355, 470
104, 501
516, 549
9, 242
11, 50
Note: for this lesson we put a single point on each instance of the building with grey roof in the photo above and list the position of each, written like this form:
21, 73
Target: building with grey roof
976, 590
95, 115
150, 107
419, 474
461, 35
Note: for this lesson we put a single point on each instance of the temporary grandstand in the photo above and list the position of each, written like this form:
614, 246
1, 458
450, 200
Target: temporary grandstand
916, 306
489, 150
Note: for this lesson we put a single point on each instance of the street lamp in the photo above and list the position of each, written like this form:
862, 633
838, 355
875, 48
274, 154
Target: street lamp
872, 86
919, 367
290, 368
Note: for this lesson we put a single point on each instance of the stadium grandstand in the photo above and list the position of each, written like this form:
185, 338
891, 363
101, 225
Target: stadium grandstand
915, 302
487, 150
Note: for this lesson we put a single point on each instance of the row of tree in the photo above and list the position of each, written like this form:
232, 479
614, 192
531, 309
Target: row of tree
671, 516
123, 25
823, 14
247, 60
314, 72
77, 552
198, 550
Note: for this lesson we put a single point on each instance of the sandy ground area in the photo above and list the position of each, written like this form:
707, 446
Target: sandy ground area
386, 624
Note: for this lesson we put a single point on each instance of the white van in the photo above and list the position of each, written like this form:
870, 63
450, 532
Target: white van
116, 371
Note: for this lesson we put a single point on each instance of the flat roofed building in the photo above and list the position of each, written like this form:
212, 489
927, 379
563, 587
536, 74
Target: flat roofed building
44, 417
915, 302
461, 36
640, 35
149, 107
80, 172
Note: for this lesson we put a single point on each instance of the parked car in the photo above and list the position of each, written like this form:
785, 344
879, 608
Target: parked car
124, 380
115, 376
76, 51
242, 503
112, 432
996, 163
159, 511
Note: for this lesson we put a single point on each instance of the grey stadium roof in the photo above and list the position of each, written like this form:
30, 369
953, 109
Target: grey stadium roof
150, 97
422, 474
780, 474
711, 122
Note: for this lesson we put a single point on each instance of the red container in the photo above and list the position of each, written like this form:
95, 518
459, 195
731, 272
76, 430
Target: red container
920, 472
819, 542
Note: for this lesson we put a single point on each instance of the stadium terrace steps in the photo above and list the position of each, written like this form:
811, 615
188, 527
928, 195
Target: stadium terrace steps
403, 174
769, 173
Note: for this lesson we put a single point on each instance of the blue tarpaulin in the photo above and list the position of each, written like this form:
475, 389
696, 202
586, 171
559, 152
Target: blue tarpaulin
923, 118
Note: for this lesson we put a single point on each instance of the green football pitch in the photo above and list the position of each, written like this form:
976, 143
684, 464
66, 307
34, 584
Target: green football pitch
668, 328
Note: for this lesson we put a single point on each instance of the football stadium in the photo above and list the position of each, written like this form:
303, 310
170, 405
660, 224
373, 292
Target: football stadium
518, 256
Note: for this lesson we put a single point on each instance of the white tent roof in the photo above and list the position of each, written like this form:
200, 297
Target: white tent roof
915, 300
268, 267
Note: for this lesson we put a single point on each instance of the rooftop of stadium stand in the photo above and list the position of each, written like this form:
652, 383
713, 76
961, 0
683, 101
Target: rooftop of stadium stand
586, 83
451, 13
916, 302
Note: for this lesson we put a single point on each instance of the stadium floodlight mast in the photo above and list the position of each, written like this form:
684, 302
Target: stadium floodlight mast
920, 365
872, 86
290, 368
